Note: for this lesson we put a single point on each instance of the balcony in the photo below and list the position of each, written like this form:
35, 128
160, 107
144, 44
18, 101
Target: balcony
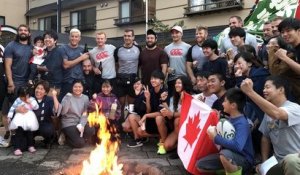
82, 28
133, 20
214, 6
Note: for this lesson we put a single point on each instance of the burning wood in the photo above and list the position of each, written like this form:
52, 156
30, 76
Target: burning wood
103, 159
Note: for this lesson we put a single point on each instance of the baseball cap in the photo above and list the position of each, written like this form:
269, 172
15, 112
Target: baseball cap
177, 28
151, 32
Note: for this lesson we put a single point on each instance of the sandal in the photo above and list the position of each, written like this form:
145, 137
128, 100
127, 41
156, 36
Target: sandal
31, 149
18, 152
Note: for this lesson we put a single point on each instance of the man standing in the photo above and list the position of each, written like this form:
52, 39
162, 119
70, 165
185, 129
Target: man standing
280, 126
127, 60
152, 58
16, 61
236, 21
72, 57
290, 67
195, 57
177, 52
267, 34
275, 23
103, 61
53, 64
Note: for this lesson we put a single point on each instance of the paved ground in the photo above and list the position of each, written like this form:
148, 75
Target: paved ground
62, 160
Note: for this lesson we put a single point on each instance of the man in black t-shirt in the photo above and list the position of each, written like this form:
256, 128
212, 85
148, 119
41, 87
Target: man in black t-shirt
290, 32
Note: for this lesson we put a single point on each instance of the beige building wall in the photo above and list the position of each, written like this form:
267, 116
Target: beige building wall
167, 11
13, 11
174, 13
38, 3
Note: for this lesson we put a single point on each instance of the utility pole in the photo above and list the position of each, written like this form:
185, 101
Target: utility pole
146, 14
58, 16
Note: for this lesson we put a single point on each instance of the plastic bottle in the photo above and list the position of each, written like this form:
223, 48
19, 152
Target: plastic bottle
86, 49
113, 109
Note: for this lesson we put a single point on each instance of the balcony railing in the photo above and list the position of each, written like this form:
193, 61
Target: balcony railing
216, 5
82, 27
132, 20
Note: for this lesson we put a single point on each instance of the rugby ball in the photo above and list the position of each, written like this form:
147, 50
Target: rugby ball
225, 129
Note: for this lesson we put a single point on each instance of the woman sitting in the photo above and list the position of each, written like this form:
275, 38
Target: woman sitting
73, 111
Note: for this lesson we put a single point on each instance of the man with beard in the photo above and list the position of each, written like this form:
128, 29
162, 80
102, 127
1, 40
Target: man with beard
89, 78
72, 57
16, 61
226, 45
152, 58
267, 34
275, 23
103, 61
195, 57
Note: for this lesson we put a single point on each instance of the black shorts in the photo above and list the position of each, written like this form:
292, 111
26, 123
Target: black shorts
124, 85
7, 103
151, 127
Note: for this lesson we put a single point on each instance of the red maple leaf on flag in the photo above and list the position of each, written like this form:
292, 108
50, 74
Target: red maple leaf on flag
192, 129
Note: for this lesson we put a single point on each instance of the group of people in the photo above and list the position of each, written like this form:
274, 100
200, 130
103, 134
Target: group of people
245, 83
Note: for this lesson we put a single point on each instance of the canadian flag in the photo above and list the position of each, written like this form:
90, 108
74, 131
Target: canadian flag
193, 142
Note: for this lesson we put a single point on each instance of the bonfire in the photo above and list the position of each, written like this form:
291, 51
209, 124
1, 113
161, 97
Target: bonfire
103, 159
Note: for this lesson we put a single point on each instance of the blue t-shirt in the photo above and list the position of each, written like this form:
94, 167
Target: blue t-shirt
20, 54
75, 72
54, 63
242, 142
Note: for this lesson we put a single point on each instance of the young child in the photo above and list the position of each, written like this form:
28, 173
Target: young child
236, 155
107, 98
23, 121
108, 101
37, 59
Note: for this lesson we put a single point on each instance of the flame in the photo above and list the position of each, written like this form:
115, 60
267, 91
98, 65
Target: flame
103, 159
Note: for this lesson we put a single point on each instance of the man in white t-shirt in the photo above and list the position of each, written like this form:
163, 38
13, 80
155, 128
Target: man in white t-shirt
206, 96
280, 126
103, 61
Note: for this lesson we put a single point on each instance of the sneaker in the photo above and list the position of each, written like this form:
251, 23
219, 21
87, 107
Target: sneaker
18, 152
161, 149
31, 149
7, 134
135, 143
3, 143
144, 140
61, 139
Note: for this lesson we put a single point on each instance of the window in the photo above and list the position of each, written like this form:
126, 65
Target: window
2, 20
204, 6
133, 11
84, 19
48, 23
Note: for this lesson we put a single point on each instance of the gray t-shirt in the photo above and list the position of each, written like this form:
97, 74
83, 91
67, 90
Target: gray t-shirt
20, 54
195, 53
226, 43
284, 135
177, 58
106, 57
72, 109
75, 72
128, 59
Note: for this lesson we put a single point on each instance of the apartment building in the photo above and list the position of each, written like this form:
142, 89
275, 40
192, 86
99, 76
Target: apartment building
113, 16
